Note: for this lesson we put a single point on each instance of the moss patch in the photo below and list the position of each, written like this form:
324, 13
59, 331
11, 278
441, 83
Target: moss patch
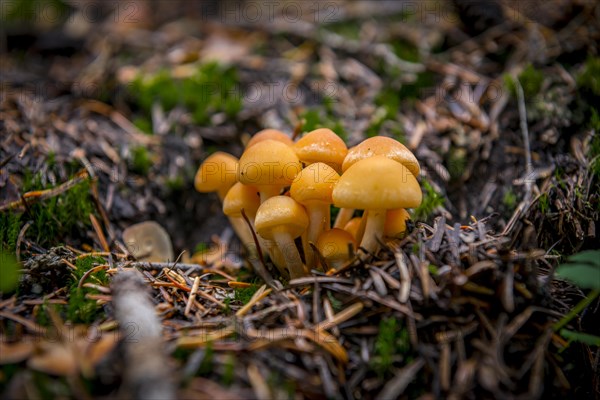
212, 89
431, 200
52, 219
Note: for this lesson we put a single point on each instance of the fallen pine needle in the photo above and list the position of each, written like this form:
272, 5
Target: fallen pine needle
192, 297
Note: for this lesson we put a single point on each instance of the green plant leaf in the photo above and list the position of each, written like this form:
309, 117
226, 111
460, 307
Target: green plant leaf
583, 275
590, 340
586, 257
9, 272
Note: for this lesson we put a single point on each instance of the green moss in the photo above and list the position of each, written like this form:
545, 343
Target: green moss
41, 314
431, 200
391, 341
201, 248
594, 148
544, 203
10, 271
284, 387
207, 363
530, 79
509, 199
141, 162
143, 124
349, 29
589, 78
176, 183
80, 309
415, 248
52, 219
29, 11
389, 98
335, 303
414, 90
406, 51
595, 125
388, 101
243, 295
457, 162
212, 89
10, 225
228, 370
319, 118
311, 120
433, 270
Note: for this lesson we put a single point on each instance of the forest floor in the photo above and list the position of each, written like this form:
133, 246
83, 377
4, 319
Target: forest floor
107, 110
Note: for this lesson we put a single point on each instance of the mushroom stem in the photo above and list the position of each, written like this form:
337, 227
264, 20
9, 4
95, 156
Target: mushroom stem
307, 251
288, 249
268, 191
373, 230
319, 220
276, 257
343, 217
242, 230
360, 233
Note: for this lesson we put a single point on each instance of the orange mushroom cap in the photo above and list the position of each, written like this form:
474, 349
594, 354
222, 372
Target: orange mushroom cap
269, 162
269, 134
382, 146
314, 183
322, 145
353, 226
217, 173
240, 197
282, 219
334, 246
395, 222
280, 213
377, 183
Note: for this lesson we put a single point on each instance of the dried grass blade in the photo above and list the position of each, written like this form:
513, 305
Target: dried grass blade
258, 382
404, 277
260, 294
396, 386
201, 340
192, 297
340, 317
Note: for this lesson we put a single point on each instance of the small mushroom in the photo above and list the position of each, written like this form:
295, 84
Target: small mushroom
334, 245
272, 134
321, 145
376, 146
382, 146
312, 188
282, 219
148, 241
353, 227
395, 222
217, 173
270, 166
376, 184
242, 197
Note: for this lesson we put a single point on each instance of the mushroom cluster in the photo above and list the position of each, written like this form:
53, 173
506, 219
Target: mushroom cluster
286, 190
